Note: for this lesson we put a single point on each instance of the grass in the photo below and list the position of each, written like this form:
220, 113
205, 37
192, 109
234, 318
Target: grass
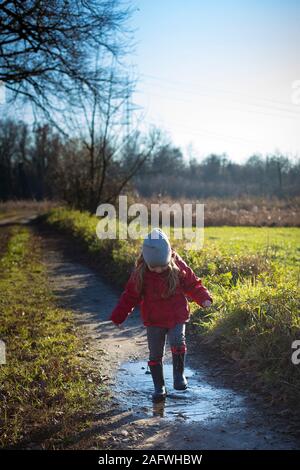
241, 211
46, 387
26, 205
248, 211
253, 274
256, 327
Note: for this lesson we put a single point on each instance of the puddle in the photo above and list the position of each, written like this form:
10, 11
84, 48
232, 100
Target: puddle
201, 401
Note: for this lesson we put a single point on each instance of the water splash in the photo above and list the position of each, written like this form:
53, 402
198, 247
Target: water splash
201, 401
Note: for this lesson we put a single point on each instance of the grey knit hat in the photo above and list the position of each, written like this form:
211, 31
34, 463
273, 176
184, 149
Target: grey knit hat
156, 248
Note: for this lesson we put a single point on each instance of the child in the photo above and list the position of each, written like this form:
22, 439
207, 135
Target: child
160, 282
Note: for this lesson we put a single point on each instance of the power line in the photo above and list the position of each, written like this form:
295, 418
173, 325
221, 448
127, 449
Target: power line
201, 130
270, 104
189, 84
223, 105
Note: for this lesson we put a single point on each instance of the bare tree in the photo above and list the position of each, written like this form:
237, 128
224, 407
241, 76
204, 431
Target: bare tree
47, 48
100, 131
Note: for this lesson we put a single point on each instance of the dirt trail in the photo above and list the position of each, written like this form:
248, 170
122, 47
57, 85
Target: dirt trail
26, 218
206, 416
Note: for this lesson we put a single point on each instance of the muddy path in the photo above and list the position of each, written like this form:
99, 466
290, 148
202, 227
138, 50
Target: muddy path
211, 414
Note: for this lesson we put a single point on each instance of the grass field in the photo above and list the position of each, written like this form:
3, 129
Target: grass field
46, 387
240, 211
253, 274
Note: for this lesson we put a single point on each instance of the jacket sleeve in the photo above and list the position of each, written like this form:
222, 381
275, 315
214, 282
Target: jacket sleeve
191, 284
129, 299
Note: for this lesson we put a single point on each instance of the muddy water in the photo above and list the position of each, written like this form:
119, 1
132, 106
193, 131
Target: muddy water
201, 401
206, 415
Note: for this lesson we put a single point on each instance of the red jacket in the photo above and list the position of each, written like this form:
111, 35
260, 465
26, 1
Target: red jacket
155, 310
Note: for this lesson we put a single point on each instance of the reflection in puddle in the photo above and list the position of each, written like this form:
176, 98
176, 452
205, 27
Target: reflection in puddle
201, 401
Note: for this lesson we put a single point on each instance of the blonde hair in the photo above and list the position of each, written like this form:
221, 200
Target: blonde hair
173, 275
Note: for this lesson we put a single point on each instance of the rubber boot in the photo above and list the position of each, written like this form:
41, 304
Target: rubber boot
180, 382
157, 373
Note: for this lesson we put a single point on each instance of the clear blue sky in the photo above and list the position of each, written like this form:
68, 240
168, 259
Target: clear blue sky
218, 74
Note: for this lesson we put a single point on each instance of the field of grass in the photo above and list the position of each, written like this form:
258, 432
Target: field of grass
46, 387
253, 274
24, 208
248, 211
243, 211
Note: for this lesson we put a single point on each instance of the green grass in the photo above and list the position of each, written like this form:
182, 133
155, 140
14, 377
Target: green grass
46, 387
253, 274
278, 244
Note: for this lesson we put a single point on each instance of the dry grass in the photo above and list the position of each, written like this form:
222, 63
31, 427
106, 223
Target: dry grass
22, 207
245, 211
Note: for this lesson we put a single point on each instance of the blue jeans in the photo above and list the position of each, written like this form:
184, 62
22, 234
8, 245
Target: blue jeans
157, 340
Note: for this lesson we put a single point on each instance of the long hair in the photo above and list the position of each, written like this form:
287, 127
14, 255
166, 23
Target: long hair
172, 275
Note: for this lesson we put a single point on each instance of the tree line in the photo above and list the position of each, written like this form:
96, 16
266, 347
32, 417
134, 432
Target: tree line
168, 173
39, 162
